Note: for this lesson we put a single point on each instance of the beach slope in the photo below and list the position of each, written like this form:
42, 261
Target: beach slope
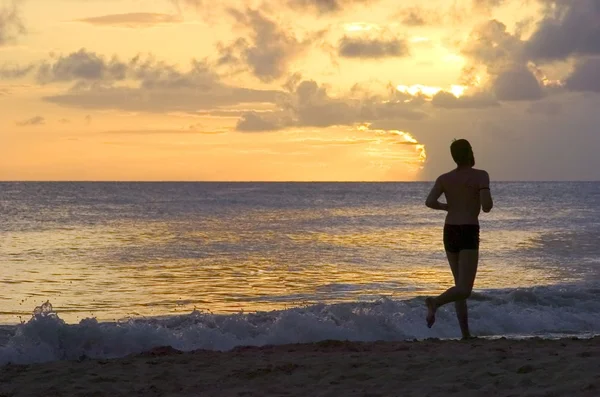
533, 367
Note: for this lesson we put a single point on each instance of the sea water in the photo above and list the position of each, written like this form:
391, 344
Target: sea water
109, 269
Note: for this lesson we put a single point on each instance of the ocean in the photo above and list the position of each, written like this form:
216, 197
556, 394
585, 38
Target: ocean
110, 269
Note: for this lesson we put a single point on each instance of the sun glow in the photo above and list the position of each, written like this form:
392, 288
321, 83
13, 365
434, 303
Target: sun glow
419, 39
429, 92
403, 138
360, 27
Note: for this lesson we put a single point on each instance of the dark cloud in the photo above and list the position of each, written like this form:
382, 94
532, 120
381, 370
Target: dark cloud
310, 105
514, 145
37, 120
153, 86
253, 122
491, 45
450, 13
326, 6
268, 50
359, 47
517, 84
545, 108
416, 16
82, 65
133, 20
569, 28
414, 19
447, 100
585, 76
501, 55
10, 23
11, 72
157, 87
183, 99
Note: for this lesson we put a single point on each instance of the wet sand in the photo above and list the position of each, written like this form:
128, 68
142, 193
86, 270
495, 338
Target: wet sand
533, 367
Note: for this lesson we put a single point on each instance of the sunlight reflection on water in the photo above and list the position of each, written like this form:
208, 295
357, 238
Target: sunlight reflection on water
163, 252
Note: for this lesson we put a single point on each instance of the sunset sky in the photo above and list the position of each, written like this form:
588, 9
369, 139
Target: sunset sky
336, 90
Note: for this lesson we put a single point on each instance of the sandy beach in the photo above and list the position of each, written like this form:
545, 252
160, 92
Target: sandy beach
534, 367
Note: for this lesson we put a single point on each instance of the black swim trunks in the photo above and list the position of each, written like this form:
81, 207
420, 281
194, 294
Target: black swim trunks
461, 237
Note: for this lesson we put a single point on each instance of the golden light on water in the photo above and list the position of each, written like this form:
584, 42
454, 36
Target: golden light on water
101, 273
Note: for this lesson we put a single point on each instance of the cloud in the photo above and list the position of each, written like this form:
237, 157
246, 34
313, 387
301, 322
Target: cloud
319, 7
416, 16
192, 129
517, 84
133, 20
37, 120
267, 52
81, 65
491, 45
359, 47
585, 76
11, 72
310, 105
447, 100
143, 85
569, 28
515, 145
446, 13
253, 122
500, 55
326, 6
140, 84
487, 4
10, 23
545, 108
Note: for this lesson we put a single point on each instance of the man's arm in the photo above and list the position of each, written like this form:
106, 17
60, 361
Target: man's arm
485, 196
435, 193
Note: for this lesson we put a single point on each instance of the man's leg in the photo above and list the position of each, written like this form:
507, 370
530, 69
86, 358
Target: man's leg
461, 305
464, 276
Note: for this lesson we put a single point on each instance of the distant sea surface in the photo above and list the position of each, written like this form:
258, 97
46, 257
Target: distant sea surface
129, 266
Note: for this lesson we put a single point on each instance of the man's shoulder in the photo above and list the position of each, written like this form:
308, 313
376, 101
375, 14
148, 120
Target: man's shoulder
444, 176
481, 173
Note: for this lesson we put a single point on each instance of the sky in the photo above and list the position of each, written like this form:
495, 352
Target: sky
298, 90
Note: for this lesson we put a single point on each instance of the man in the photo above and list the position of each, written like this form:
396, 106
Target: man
467, 191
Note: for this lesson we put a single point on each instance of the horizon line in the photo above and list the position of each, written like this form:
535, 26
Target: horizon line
282, 181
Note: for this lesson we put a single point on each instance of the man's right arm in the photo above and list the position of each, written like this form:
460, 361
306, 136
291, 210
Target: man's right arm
485, 195
432, 200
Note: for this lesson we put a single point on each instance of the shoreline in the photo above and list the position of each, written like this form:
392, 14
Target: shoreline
431, 367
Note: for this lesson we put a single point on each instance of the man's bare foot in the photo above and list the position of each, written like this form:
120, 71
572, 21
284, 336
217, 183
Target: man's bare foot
468, 337
430, 311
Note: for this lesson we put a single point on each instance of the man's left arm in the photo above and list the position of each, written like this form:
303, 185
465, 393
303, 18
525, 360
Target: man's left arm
432, 200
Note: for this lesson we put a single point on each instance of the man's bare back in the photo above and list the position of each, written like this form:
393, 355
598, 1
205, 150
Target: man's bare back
467, 192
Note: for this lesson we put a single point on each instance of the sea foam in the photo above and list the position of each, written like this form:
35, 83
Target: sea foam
552, 311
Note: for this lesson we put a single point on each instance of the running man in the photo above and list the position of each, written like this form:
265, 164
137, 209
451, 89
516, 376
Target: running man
467, 191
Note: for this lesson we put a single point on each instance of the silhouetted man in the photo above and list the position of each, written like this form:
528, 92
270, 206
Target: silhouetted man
467, 191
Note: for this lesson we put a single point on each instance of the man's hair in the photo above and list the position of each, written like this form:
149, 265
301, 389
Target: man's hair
462, 153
